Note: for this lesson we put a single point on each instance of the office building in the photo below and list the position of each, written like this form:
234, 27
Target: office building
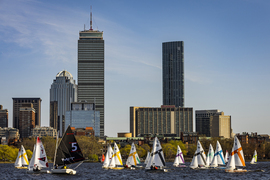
26, 120
19, 102
44, 131
54, 118
3, 117
82, 115
64, 92
91, 70
166, 119
173, 73
10, 135
213, 123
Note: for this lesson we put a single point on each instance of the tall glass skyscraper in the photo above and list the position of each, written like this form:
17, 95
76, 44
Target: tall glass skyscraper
91, 71
64, 92
173, 73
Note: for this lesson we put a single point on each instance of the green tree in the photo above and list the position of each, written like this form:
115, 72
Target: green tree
125, 151
7, 153
29, 153
169, 150
49, 145
93, 157
89, 145
141, 151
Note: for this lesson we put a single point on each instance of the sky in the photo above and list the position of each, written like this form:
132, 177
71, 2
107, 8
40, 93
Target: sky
226, 54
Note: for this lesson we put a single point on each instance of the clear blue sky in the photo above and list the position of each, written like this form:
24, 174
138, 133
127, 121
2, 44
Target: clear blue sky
226, 54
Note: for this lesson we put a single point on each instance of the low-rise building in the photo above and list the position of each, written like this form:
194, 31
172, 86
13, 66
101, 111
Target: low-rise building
44, 131
9, 135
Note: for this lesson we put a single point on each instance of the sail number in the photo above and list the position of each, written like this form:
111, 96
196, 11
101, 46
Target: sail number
74, 146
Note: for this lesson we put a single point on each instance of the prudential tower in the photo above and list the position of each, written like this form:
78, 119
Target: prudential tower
91, 70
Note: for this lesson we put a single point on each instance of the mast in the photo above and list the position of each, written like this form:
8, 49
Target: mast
91, 29
55, 150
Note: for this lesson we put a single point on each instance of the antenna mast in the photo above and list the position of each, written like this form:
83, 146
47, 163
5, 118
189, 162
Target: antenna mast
91, 29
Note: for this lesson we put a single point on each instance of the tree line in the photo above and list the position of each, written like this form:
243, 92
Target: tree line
92, 149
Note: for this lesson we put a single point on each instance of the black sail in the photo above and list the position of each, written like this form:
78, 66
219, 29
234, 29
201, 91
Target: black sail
68, 151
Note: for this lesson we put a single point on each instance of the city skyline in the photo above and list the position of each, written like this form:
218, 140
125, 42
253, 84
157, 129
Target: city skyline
226, 55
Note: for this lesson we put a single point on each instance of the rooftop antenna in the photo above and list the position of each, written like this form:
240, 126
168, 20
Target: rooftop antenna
91, 29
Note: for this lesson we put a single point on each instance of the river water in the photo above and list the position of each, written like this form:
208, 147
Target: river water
95, 171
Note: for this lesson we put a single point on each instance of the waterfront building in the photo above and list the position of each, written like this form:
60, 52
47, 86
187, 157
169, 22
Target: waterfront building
26, 120
19, 102
213, 123
3, 117
44, 131
91, 70
10, 135
64, 92
87, 131
166, 119
82, 115
173, 73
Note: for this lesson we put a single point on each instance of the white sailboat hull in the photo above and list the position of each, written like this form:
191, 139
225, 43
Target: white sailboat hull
41, 171
63, 171
235, 170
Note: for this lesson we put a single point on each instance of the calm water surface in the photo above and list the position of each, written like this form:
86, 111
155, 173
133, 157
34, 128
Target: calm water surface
94, 171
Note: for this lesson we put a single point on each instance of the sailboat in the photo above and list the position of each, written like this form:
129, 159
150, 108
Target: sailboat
133, 159
236, 158
116, 160
108, 157
156, 160
218, 156
210, 155
198, 160
147, 158
39, 159
179, 158
22, 159
68, 152
226, 157
254, 158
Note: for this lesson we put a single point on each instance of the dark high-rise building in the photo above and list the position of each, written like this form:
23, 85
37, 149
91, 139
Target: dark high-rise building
18, 102
173, 73
26, 120
54, 118
3, 117
91, 71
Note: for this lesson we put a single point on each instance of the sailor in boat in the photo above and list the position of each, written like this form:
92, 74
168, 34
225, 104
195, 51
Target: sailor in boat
64, 167
56, 166
36, 168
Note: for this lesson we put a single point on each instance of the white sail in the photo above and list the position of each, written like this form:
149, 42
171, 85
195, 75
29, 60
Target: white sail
194, 162
18, 162
226, 159
31, 164
179, 158
254, 158
23, 156
210, 155
133, 158
238, 152
40, 155
157, 156
147, 158
108, 156
116, 157
201, 156
231, 162
237, 156
218, 156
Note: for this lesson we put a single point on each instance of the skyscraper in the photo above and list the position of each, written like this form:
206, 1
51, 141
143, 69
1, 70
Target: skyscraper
19, 102
3, 117
173, 73
91, 70
64, 92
